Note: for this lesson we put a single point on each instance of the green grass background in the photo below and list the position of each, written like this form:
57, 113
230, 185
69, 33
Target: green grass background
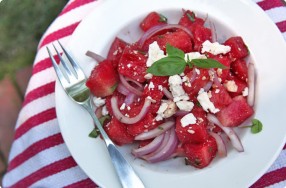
22, 23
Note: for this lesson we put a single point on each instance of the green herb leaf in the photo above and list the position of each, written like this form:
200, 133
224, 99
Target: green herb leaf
163, 18
207, 63
94, 133
191, 17
103, 119
256, 126
174, 52
167, 66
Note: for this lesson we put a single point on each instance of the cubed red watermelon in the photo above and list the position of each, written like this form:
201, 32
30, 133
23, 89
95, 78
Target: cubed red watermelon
235, 113
238, 47
151, 20
133, 63
200, 155
116, 50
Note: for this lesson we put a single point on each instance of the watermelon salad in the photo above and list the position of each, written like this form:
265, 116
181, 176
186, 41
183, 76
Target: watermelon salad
176, 92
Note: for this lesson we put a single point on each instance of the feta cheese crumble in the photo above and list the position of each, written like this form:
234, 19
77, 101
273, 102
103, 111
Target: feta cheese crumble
188, 119
185, 105
104, 111
151, 86
176, 88
166, 110
215, 48
205, 102
194, 55
98, 101
154, 54
245, 92
122, 107
231, 86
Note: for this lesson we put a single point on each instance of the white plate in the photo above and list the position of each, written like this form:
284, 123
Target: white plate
237, 17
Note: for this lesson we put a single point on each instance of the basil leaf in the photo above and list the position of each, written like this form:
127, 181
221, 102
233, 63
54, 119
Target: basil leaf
207, 63
191, 17
103, 119
167, 66
173, 51
94, 133
256, 126
163, 18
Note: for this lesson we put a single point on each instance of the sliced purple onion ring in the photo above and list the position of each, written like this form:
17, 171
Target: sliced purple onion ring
149, 148
166, 149
208, 86
235, 141
167, 93
221, 147
95, 56
124, 81
118, 115
122, 89
251, 84
152, 31
155, 132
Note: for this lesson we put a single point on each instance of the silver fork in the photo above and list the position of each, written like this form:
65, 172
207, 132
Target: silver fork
73, 82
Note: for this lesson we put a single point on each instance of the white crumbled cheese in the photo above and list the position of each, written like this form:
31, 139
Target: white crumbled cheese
160, 87
197, 71
217, 91
245, 92
128, 65
212, 75
191, 131
175, 80
150, 98
231, 86
122, 107
185, 79
166, 110
104, 111
205, 102
215, 48
148, 76
204, 78
151, 86
98, 101
126, 115
188, 119
185, 105
176, 88
194, 55
128, 108
219, 72
154, 54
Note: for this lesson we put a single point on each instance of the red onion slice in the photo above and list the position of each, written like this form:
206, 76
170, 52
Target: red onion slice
152, 31
155, 132
129, 98
208, 86
122, 89
95, 56
130, 87
118, 115
152, 146
222, 152
167, 93
235, 141
169, 145
181, 113
251, 84
193, 77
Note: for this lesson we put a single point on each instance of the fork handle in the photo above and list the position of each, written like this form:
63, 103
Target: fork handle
124, 170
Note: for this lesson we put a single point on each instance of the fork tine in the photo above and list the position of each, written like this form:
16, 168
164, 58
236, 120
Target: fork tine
59, 73
67, 69
75, 65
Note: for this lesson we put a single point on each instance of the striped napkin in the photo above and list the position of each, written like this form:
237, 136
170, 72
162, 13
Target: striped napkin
39, 156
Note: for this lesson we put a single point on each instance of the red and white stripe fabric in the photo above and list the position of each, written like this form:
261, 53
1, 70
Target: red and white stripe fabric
39, 156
